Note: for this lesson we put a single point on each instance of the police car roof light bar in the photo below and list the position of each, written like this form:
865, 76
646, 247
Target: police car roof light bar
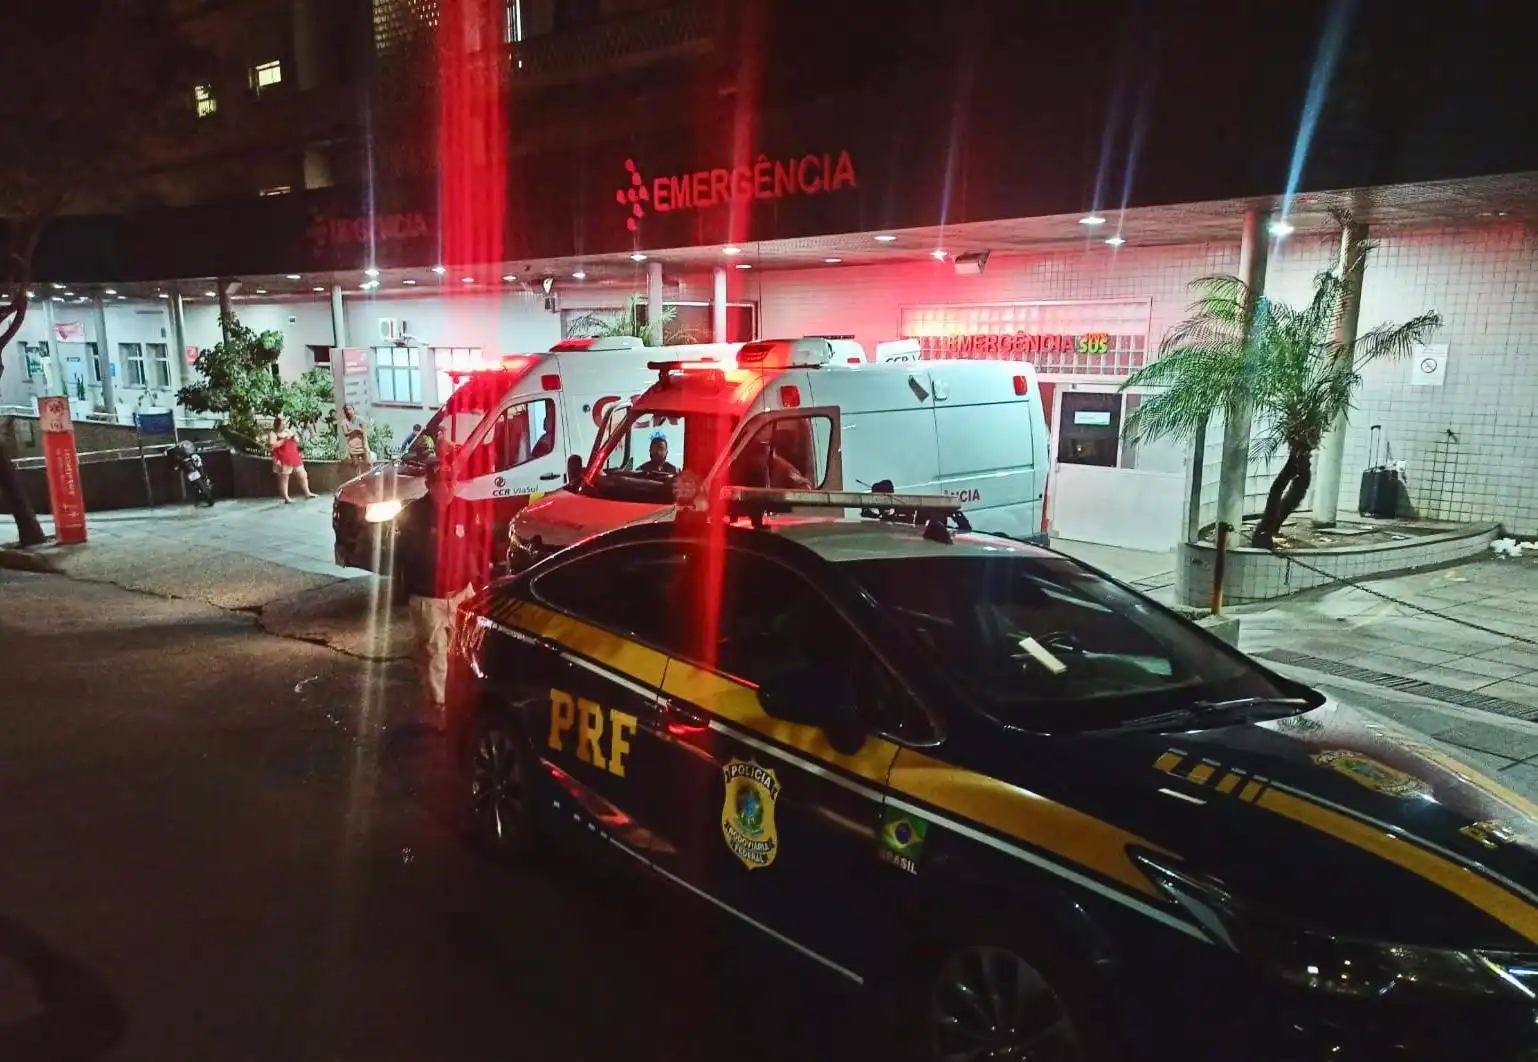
933, 511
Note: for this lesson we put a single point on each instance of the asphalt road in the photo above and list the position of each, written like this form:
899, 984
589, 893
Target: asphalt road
217, 844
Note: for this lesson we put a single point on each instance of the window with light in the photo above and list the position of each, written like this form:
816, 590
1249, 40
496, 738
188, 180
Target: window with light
203, 97
398, 375
451, 363
265, 75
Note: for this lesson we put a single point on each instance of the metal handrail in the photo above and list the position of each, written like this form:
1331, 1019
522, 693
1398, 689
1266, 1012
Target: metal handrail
93, 457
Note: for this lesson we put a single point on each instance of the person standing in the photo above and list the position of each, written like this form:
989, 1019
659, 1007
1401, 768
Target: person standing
286, 459
355, 441
443, 550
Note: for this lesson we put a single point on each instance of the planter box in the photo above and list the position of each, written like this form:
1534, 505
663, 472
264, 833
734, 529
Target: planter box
254, 477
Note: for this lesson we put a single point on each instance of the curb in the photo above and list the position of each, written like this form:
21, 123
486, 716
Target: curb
27, 560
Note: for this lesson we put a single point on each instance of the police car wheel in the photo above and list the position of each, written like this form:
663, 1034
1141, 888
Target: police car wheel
992, 1002
500, 812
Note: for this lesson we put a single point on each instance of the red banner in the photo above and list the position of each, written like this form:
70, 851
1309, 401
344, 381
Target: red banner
63, 468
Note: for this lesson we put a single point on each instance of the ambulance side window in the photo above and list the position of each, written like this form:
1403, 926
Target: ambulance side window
522, 433
786, 454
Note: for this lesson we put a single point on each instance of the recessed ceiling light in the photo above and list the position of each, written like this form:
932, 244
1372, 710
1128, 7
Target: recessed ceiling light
294, 276
162, 295
261, 291
31, 294
369, 285
744, 265
885, 237
71, 294
1280, 229
122, 297
467, 280
58, 287
440, 270
58, 298
1114, 241
729, 251
508, 278
638, 257
579, 275
371, 272
833, 261
209, 295
109, 291
408, 282
937, 254
1092, 220
317, 289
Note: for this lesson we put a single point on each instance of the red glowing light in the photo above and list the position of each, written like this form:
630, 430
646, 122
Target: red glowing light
1020, 387
790, 397
550, 382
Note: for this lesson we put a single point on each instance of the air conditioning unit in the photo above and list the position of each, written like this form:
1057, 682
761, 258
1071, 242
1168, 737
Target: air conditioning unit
392, 328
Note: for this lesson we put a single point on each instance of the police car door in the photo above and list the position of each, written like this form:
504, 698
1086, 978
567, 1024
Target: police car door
591, 697
783, 828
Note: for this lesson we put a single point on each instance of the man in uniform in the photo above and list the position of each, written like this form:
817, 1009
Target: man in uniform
659, 465
443, 547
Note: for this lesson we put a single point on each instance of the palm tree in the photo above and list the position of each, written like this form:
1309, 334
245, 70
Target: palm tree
604, 324
1288, 369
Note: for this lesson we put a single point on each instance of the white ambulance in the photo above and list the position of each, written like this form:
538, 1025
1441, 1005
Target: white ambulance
813, 414
506, 434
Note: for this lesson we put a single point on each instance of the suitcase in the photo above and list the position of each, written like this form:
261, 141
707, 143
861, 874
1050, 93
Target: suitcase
1378, 494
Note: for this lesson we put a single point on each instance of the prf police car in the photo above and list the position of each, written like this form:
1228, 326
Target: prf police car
1049, 817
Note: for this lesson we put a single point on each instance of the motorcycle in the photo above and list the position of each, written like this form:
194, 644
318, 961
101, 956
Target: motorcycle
189, 463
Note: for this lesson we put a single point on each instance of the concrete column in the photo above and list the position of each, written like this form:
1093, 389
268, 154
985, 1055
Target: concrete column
718, 307
306, 63
179, 334
338, 318
1236, 418
654, 303
104, 360
1326, 486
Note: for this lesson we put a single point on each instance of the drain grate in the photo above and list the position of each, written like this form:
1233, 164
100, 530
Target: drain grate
1446, 694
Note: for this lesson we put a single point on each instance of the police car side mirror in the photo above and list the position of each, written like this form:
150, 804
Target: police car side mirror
573, 468
811, 697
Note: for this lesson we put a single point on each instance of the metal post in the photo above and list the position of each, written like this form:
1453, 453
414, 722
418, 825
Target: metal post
1219, 566
144, 467
179, 334
104, 361
654, 303
1332, 448
338, 319
1236, 417
718, 307
338, 358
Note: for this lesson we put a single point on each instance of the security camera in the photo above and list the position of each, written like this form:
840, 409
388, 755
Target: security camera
548, 284
971, 265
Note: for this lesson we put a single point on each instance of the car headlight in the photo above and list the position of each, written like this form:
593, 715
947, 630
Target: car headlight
1336, 965
382, 512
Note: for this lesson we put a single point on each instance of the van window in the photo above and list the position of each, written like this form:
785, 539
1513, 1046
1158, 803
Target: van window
456, 420
521, 434
693, 442
787, 454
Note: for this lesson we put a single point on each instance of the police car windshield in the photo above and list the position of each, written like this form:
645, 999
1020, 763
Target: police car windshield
645, 450
1046, 645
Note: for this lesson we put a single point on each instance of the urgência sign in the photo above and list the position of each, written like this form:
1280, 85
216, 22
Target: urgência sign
763, 179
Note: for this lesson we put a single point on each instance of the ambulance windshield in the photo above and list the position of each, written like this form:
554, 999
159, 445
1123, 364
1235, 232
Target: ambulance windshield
455, 420
640, 452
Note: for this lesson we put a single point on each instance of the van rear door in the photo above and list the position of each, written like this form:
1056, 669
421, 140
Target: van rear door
784, 449
888, 422
986, 439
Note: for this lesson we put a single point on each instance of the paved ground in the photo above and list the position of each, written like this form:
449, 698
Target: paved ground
254, 555
218, 845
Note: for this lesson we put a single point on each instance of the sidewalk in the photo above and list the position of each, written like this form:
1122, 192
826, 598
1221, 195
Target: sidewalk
253, 555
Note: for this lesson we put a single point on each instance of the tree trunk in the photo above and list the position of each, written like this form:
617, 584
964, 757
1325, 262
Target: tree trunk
28, 531
1271, 519
1302, 476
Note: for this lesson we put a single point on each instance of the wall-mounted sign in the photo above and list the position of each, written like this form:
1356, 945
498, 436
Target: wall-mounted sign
1092, 418
1094, 338
327, 233
1428, 365
350, 377
69, 331
765, 179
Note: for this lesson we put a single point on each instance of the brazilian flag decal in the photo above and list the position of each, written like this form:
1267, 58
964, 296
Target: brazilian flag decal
901, 839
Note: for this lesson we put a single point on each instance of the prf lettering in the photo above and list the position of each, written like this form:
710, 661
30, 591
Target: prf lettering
590, 720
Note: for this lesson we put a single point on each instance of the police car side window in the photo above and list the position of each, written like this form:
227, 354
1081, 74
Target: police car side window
630, 590
773, 622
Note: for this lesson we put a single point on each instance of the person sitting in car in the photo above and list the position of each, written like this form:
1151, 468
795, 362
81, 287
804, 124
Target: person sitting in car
659, 464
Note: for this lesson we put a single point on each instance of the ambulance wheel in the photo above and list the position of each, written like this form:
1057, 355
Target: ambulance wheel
987, 993
499, 807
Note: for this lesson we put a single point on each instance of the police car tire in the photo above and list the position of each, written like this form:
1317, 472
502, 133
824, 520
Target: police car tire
1042, 949
522, 842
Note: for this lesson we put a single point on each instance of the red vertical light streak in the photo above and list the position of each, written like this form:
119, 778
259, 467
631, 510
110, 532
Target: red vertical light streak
472, 132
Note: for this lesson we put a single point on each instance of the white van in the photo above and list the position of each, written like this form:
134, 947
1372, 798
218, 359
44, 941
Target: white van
506, 433
812, 413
